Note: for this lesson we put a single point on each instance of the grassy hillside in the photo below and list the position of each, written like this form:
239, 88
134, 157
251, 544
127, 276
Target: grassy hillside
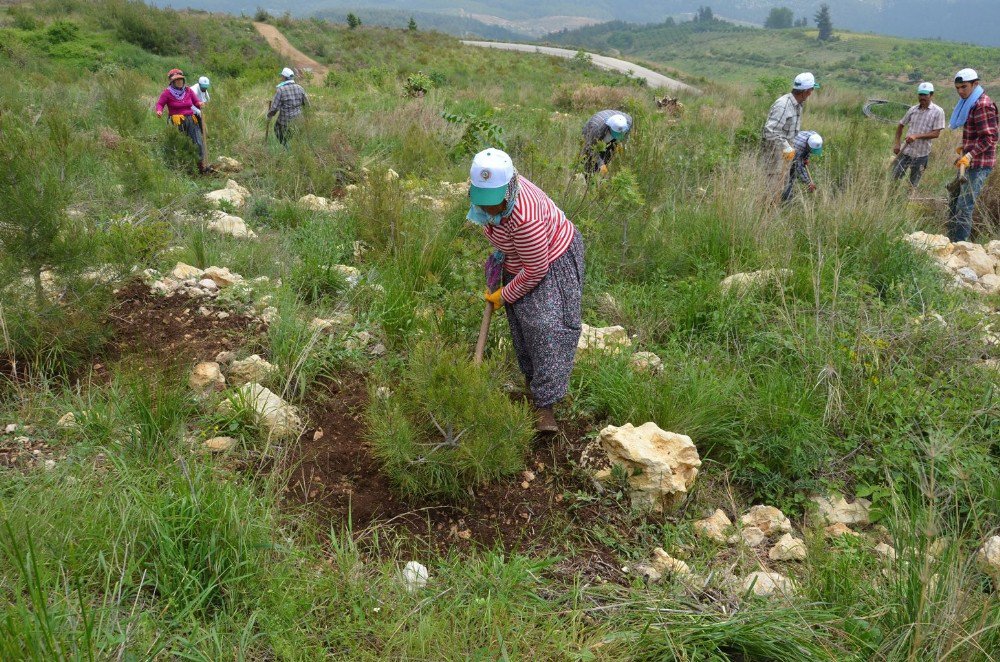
720, 51
862, 371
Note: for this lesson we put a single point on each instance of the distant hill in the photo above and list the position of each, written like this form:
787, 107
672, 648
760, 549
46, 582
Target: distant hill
973, 21
720, 50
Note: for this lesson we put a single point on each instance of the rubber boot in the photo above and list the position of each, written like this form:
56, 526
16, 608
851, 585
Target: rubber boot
546, 422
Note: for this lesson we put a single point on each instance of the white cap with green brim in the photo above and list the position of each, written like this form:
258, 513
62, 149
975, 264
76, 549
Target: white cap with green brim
816, 144
925, 88
805, 81
618, 124
492, 169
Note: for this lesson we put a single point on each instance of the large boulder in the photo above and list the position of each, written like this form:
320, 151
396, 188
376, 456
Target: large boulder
744, 282
837, 510
768, 519
606, 338
232, 193
661, 466
231, 226
281, 419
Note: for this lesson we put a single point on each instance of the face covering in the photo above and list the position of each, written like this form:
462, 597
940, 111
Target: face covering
479, 216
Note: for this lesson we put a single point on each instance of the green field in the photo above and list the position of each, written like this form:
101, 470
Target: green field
874, 64
861, 371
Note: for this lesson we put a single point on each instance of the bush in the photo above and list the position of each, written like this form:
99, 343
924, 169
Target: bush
136, 24
61, 32
448, 426
418, 84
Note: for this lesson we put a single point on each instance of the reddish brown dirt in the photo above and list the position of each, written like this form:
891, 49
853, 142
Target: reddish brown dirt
170, 331
338, 478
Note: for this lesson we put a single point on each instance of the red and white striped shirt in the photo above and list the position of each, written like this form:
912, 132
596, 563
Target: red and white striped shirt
535, 235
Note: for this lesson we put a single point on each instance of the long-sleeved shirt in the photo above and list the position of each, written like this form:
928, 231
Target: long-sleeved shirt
784, 121
596, 130
288, 101
176, 106
535, 235
800, 165
979, 137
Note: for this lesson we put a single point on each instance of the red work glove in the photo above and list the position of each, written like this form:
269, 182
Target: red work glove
812, 188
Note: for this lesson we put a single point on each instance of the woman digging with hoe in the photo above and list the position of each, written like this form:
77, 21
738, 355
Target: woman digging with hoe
540, 253
179, 100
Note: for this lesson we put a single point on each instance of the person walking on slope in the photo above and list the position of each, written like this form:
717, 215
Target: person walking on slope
602, 134
784, 121
288, 102
541, 255
976, 113
925, 122
200, 90
179, 100
805, 144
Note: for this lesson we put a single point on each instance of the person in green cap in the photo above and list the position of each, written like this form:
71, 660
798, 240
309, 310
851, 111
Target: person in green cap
806, 144
602, 134
540, 253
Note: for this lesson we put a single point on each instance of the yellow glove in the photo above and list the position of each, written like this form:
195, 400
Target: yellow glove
789, 154
604, 169
496, 299
966, 161
958, 150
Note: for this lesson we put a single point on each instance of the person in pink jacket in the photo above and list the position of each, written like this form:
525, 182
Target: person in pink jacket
178, 99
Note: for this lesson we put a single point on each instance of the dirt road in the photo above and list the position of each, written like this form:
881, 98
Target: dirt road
653, 79
293, 56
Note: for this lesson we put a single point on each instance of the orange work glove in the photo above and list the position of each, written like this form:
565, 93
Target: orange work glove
496, 298
966, 161
958, 150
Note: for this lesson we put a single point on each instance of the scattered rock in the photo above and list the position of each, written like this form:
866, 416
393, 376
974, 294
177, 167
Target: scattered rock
10, 429
316, 203
668, 565
839, 529
974, 256
746, 281
207, 376
251, 369
232, 226
225, 357
989, 557
661, 466
281, 419
226, 164
974, 266
886, 551
186, 271
233, 194
788, 549
714, 527
967, 275
647, 362
269, 315
414, 576
751, 536
611, 338
219, 444
50, 465
391, 175
351, 274
937, 244
337, 321
222, 276
767, 584
990, 283
768, 519
647, 572
837, 510
67, 420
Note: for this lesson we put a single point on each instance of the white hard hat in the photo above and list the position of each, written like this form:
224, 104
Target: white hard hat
618, 124
966, 76
815, 144
287, 73
925, 88
492, 169
805, 81
203, 82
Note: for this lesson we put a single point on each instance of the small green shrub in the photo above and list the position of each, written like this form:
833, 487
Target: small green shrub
23, 18
479, 134
62, 31
418, 84
448, 426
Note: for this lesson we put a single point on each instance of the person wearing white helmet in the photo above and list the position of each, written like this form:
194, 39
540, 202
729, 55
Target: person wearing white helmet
200, 90
540, 253
784, 121
288, 102
602, 134
806, 144
976, 115
924, 123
